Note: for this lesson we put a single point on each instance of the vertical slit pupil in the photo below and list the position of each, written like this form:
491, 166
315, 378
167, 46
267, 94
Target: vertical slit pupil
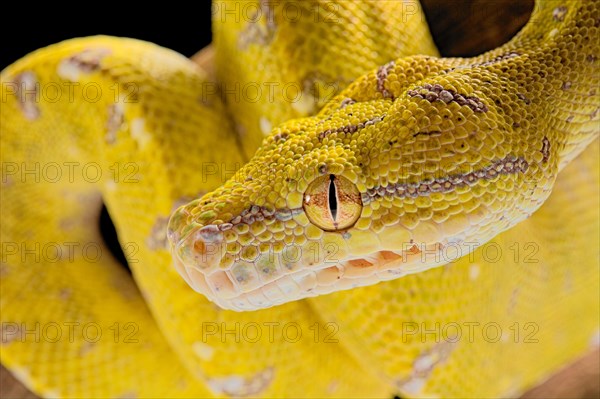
332, 197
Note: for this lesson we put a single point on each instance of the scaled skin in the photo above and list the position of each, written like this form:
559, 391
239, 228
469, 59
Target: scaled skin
444, 153
170, 136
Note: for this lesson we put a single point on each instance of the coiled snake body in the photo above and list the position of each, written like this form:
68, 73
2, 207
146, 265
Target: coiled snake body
421, 162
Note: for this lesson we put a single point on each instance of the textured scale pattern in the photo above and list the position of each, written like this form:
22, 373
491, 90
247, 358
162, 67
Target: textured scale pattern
303, 53
447, 154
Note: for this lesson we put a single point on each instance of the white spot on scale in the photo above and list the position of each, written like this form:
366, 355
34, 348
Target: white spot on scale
414, 385
424, 363
85, 62
68, 70
474, 272
423, 366
139, 133
203, 351
233, 383
28, 92
236, 385
265, 125
22, 374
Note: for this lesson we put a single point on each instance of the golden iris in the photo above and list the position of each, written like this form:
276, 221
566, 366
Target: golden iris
332, 203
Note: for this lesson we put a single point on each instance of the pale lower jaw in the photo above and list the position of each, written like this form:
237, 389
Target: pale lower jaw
319, 279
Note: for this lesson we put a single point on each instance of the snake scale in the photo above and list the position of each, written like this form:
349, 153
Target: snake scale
447, 207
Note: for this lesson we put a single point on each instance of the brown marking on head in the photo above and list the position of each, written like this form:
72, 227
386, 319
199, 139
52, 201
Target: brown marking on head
382, 74
350, 129
253, 214
504, 166
436, 92
347, 101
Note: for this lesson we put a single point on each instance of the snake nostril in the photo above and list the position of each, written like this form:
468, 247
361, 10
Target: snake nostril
202, 249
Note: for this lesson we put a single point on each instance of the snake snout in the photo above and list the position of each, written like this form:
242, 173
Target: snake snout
198, 249
197, 259
202, 248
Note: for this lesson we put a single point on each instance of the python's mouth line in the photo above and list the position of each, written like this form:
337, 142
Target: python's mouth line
245, 286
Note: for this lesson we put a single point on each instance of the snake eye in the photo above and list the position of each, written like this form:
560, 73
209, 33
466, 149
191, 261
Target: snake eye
332, 203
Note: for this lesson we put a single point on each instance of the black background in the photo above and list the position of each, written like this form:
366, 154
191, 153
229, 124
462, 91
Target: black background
459, 27
173, 26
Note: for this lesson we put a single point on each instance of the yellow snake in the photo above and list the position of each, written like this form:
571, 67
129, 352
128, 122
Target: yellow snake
420, 162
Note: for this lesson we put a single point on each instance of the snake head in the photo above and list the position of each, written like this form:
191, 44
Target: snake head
381, 184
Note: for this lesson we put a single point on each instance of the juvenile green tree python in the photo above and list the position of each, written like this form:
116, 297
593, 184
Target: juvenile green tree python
419, 161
